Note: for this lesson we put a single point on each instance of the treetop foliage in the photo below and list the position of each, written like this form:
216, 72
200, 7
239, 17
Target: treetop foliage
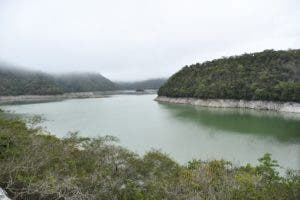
269, 75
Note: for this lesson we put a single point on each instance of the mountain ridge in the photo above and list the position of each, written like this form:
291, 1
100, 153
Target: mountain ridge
19, 81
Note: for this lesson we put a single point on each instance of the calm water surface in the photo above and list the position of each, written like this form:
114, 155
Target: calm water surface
182, 131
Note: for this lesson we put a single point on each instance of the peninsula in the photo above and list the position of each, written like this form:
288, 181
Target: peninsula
265, 80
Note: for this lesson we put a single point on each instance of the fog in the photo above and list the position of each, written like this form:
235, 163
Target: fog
140, 39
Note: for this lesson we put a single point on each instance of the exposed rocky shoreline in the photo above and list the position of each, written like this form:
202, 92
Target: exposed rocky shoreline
45, 98
231, 103
3, 194
76, 95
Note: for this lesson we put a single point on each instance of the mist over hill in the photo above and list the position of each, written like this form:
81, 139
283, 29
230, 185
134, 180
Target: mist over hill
19, 81
83, 82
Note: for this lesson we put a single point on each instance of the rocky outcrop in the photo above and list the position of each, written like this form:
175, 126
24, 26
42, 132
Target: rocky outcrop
3, 195
231, 103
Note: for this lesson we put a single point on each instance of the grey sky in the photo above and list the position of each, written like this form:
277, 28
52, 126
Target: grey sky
139, 39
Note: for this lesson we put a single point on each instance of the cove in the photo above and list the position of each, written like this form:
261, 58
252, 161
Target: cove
185, 132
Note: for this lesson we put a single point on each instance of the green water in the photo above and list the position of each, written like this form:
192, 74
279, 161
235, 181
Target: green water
182, 131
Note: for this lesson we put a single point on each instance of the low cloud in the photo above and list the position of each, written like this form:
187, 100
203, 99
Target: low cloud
134, 39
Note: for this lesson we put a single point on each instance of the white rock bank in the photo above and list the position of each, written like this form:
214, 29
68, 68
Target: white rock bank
232, 103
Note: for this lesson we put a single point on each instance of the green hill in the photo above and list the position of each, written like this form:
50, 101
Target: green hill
268, 75
83, 82
14, 81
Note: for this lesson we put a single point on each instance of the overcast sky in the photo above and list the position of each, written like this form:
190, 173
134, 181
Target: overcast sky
139, 39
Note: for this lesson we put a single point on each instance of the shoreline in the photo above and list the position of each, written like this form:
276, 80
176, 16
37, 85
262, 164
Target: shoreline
291, 107
46, 98
65, 96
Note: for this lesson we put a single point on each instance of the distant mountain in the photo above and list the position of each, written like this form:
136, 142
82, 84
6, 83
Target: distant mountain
142, 85
268, 75
15, 81
83, 82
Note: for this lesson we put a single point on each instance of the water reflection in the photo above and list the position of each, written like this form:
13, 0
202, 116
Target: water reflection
285, 127
184, 132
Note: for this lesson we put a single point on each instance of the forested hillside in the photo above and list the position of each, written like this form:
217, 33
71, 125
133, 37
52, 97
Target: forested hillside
19, 82
82, 82
268, 75
146, 84
15, 81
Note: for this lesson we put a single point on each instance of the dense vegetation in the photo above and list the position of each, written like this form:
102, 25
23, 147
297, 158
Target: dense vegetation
144, 85
34, 165
24, 82
84, 82
268, 75
19, 82
14, 81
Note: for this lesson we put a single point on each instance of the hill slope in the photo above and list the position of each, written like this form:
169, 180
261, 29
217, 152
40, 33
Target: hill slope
268, 75
15, 81
19, 82
83, 82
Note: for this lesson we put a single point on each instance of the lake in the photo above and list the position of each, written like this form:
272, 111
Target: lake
184, 132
